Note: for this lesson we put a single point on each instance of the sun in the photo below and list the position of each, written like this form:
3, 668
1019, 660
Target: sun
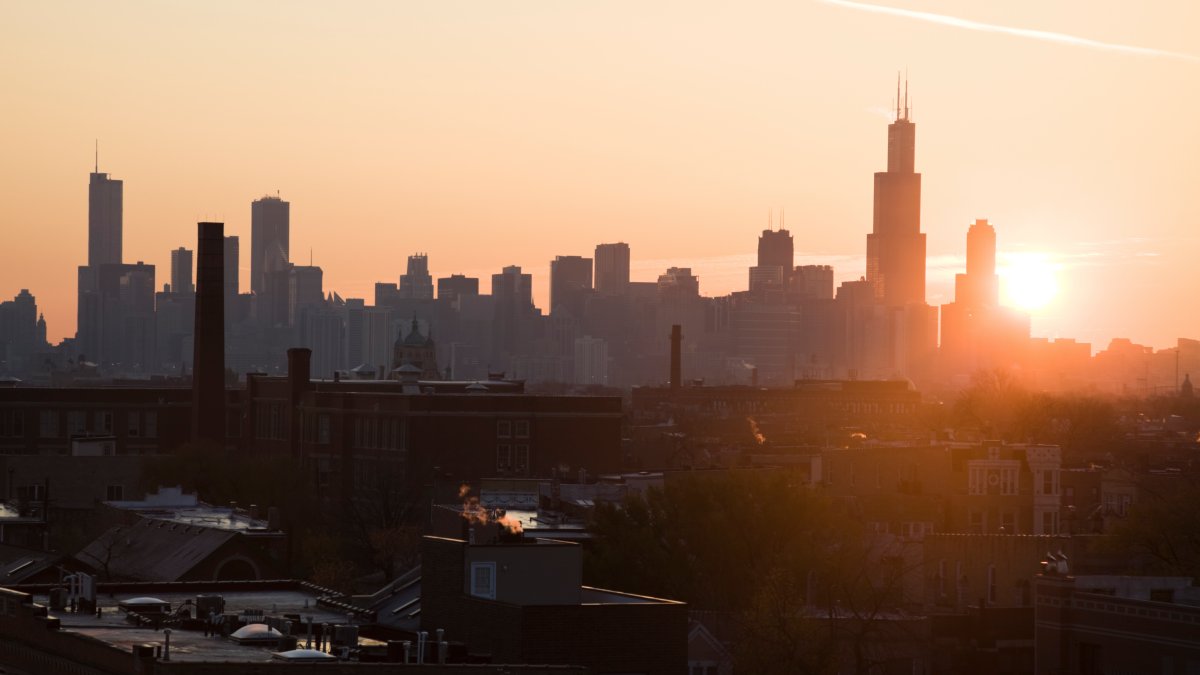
1028, 280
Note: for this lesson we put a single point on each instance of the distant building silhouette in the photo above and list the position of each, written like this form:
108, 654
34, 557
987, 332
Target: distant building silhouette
181, 271
270, 227
896, 245
417, 284
455, 286
612, 268
570, 284
977, 333
105, 219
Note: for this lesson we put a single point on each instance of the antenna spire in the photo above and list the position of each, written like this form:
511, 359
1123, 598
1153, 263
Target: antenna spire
898, 95
907, 110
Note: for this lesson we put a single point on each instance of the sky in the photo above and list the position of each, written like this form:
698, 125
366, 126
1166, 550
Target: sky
488, 134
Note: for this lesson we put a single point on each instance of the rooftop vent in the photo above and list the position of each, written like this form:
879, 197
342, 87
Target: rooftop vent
303, 656
256, 633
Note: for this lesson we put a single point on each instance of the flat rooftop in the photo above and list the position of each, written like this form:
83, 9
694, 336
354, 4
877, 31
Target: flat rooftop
191, 645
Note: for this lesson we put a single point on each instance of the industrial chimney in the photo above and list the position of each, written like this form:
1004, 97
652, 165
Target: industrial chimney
676, 356
208, 355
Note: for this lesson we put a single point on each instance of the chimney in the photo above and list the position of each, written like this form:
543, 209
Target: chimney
208, 355
676, 356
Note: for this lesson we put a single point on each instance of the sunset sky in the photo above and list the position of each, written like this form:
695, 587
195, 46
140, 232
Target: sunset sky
497, 133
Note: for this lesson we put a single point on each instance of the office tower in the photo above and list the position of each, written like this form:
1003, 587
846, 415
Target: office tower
181, 271
208, 347
775, 254
570, 283
896, 245
232, 283
813, 282
776, 249
416, 284
455, 286
354, 310
977, 333
270, 219
980, 286
612, 268
104, 219
305, 290
678, 283
512, 291
591, 361
386, 295
22, 333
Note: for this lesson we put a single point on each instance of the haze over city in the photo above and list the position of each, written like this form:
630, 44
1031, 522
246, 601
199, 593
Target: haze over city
490, 135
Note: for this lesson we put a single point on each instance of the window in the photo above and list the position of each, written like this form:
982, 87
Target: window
941, 578
483, 580
12, 423
150, 429
30, 493
323, 429
991, 584
1008, 521
978, 522
503, 429
522, 428
106, 421
76, 422
48, 424
504, 457
133, 425
522, 458
1049, 522
114, 493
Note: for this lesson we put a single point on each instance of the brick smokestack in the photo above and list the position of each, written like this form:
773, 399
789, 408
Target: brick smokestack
676, 356
208, 355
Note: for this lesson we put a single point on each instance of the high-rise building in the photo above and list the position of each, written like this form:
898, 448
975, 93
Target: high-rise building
776, 249
980, 286
776, 252
977, 333
232, 284
181, 271
417, 284
896, 245
813, 282
305, 290
270, 227
570, 283
456, 285
105, 219
612, 268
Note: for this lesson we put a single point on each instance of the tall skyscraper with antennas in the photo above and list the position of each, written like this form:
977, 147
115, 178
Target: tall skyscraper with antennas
105, 218
896, 245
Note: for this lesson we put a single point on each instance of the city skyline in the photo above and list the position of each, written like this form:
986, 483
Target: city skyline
1075, 182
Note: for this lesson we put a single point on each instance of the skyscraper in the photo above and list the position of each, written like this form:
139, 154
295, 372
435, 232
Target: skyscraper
896, 245
980, 286
612, 268
232, 284
776, 249
104, 219
181, 271
270, 226
455, 286
417, 284
570, 282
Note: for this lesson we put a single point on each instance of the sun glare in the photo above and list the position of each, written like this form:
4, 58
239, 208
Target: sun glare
1028, 281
